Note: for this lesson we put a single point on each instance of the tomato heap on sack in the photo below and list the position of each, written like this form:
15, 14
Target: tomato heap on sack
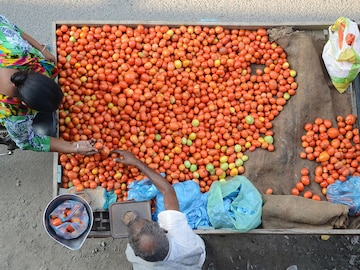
336, 149
189, 101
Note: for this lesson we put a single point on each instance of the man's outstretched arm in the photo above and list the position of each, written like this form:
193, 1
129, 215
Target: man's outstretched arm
166, 189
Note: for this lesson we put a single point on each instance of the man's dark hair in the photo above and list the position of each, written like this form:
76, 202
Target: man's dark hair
148, 240
38, 91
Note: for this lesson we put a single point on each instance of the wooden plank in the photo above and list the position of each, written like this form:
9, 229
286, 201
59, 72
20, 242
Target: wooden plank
280, 231
355, 88
231, 25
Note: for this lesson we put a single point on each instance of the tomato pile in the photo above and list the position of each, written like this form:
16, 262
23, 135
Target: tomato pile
189, 101
336, 149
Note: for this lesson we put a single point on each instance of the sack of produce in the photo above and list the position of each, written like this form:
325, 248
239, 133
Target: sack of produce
341, 53
234, 204
69, 220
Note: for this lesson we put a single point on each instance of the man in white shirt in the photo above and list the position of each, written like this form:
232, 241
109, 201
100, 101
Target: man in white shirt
169, 243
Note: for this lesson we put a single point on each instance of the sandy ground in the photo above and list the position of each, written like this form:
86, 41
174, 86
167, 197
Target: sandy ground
26, 177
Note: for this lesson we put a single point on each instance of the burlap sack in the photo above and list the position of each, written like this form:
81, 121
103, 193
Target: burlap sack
314, 98
294, 212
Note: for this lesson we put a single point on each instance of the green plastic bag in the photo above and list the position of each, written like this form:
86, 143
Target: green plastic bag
234, 204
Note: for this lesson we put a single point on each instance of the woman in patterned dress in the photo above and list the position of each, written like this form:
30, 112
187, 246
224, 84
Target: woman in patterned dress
27, 87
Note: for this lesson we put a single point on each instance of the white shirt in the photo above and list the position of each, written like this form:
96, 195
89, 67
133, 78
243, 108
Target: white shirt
186, 249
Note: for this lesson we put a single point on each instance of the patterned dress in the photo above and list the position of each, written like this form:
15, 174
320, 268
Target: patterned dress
17, 53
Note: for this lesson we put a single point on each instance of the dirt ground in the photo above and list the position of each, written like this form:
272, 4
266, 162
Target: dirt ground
26, 178
24, 243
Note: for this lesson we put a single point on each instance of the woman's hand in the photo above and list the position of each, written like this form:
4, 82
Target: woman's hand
86, 147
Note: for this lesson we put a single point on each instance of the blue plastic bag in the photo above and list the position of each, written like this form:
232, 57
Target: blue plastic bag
142, 190
347, 193
192, 202
110, 198
234, 204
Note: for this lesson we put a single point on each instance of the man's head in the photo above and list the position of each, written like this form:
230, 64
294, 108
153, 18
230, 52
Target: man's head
148, 240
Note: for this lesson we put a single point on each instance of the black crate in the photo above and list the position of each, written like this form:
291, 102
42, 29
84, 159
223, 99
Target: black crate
101, 225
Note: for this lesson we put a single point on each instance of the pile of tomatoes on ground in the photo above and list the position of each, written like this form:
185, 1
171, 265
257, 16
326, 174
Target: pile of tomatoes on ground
189, 100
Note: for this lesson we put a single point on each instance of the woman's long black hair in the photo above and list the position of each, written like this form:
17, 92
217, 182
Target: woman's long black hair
38, 91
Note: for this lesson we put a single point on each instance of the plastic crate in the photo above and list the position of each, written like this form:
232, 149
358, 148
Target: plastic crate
101, 225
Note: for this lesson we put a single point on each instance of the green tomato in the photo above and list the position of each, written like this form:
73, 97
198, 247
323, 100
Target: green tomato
195, 122
232, 166
239, 162
187, 164
183, 140
237, 148
224, 166
67, 120
210, 167
193, 168
157, 137
249, 119
269, 139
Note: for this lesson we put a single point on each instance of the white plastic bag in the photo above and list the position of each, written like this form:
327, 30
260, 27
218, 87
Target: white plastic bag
341, 54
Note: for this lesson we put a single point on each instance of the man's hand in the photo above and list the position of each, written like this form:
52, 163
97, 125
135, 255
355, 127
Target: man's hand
126, 157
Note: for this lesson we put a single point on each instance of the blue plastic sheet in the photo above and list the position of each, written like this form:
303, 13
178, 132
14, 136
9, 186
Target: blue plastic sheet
347, 193
234, 204
192, 202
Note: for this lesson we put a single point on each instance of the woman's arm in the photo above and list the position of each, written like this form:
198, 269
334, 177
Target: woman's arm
42, 48
33, 42
21, 132
80, 147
